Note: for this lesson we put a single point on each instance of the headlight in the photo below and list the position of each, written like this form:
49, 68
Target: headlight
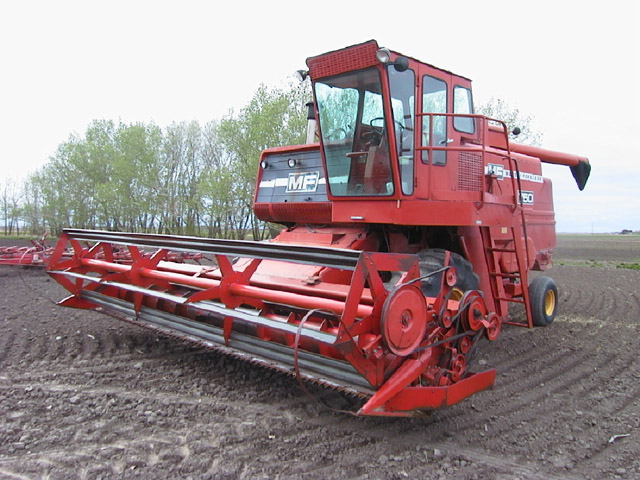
383, 55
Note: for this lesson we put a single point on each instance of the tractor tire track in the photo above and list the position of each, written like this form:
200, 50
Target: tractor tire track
6, 345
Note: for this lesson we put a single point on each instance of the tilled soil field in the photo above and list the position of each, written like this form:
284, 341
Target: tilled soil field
85, 396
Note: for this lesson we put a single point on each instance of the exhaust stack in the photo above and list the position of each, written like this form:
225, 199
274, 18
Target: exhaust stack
311, 124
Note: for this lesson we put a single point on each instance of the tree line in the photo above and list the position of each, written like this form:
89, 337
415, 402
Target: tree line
185, 179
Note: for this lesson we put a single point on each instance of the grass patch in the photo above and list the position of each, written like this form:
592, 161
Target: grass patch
598, 264
629, 266
582, 263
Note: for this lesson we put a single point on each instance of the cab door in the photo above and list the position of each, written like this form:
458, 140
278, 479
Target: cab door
463, 158
434, 127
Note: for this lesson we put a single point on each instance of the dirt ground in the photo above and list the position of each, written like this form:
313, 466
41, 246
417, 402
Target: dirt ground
84, 396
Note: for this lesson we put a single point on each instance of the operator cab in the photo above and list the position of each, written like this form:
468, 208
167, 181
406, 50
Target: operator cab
387, 133
367, 106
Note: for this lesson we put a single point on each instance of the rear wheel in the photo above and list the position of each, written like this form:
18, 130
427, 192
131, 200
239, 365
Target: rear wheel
543, 297
432, 260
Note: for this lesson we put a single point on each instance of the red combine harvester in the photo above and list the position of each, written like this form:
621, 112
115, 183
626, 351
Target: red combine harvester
409, 229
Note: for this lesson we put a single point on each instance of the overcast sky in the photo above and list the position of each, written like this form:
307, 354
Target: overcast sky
573, 66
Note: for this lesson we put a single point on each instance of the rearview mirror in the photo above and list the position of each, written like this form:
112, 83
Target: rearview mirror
401, 64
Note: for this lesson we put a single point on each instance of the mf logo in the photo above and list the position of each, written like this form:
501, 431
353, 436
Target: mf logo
496, 170
526, 198
303, 182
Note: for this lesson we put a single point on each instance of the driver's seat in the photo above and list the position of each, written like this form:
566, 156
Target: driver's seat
377, 172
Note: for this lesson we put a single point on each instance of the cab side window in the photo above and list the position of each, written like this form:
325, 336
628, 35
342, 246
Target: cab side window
434, 101
462, 104
403, 85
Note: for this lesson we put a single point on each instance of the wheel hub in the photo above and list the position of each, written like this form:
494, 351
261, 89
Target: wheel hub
404, 320
549, 302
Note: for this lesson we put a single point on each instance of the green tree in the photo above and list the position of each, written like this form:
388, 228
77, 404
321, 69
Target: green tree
68, 190
273, 117
512, 117
216, 186
177, 180
135, 181
179, 174
11, 198
32, 206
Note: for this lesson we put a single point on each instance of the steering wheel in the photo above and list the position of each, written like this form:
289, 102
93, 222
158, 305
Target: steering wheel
379, 130
337, 134
375, 134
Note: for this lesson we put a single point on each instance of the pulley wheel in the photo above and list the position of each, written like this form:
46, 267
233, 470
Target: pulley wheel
475, 310
404, 320
493, 330
465, 344
458, 366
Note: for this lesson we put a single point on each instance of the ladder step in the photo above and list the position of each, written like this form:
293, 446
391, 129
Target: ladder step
506, 275
517, 324
513, 300
502, 250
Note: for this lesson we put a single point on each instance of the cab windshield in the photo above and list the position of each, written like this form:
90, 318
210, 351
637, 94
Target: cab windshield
354, 134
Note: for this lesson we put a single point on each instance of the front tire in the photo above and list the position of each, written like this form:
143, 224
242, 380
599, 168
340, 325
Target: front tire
433, 259
543, 297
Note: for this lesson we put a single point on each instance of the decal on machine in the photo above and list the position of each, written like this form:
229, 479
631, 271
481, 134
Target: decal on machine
526, 197
500, 172
302, 182
283, 182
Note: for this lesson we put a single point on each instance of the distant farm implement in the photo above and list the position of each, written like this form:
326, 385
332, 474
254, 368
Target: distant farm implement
39, 254
36, 255
409, 227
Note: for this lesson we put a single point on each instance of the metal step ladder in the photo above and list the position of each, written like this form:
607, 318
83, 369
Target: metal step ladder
510, 287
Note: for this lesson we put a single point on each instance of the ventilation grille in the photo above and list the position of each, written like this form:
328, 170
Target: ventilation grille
316, 212
348, 59
470, 174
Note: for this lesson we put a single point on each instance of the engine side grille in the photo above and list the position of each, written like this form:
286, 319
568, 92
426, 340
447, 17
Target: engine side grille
470, 174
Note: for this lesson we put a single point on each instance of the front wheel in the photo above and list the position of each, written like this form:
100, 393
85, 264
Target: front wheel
543, 297
432, 260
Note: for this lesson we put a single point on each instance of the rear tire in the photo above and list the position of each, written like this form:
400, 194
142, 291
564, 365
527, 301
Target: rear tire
543, 297
432, 260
